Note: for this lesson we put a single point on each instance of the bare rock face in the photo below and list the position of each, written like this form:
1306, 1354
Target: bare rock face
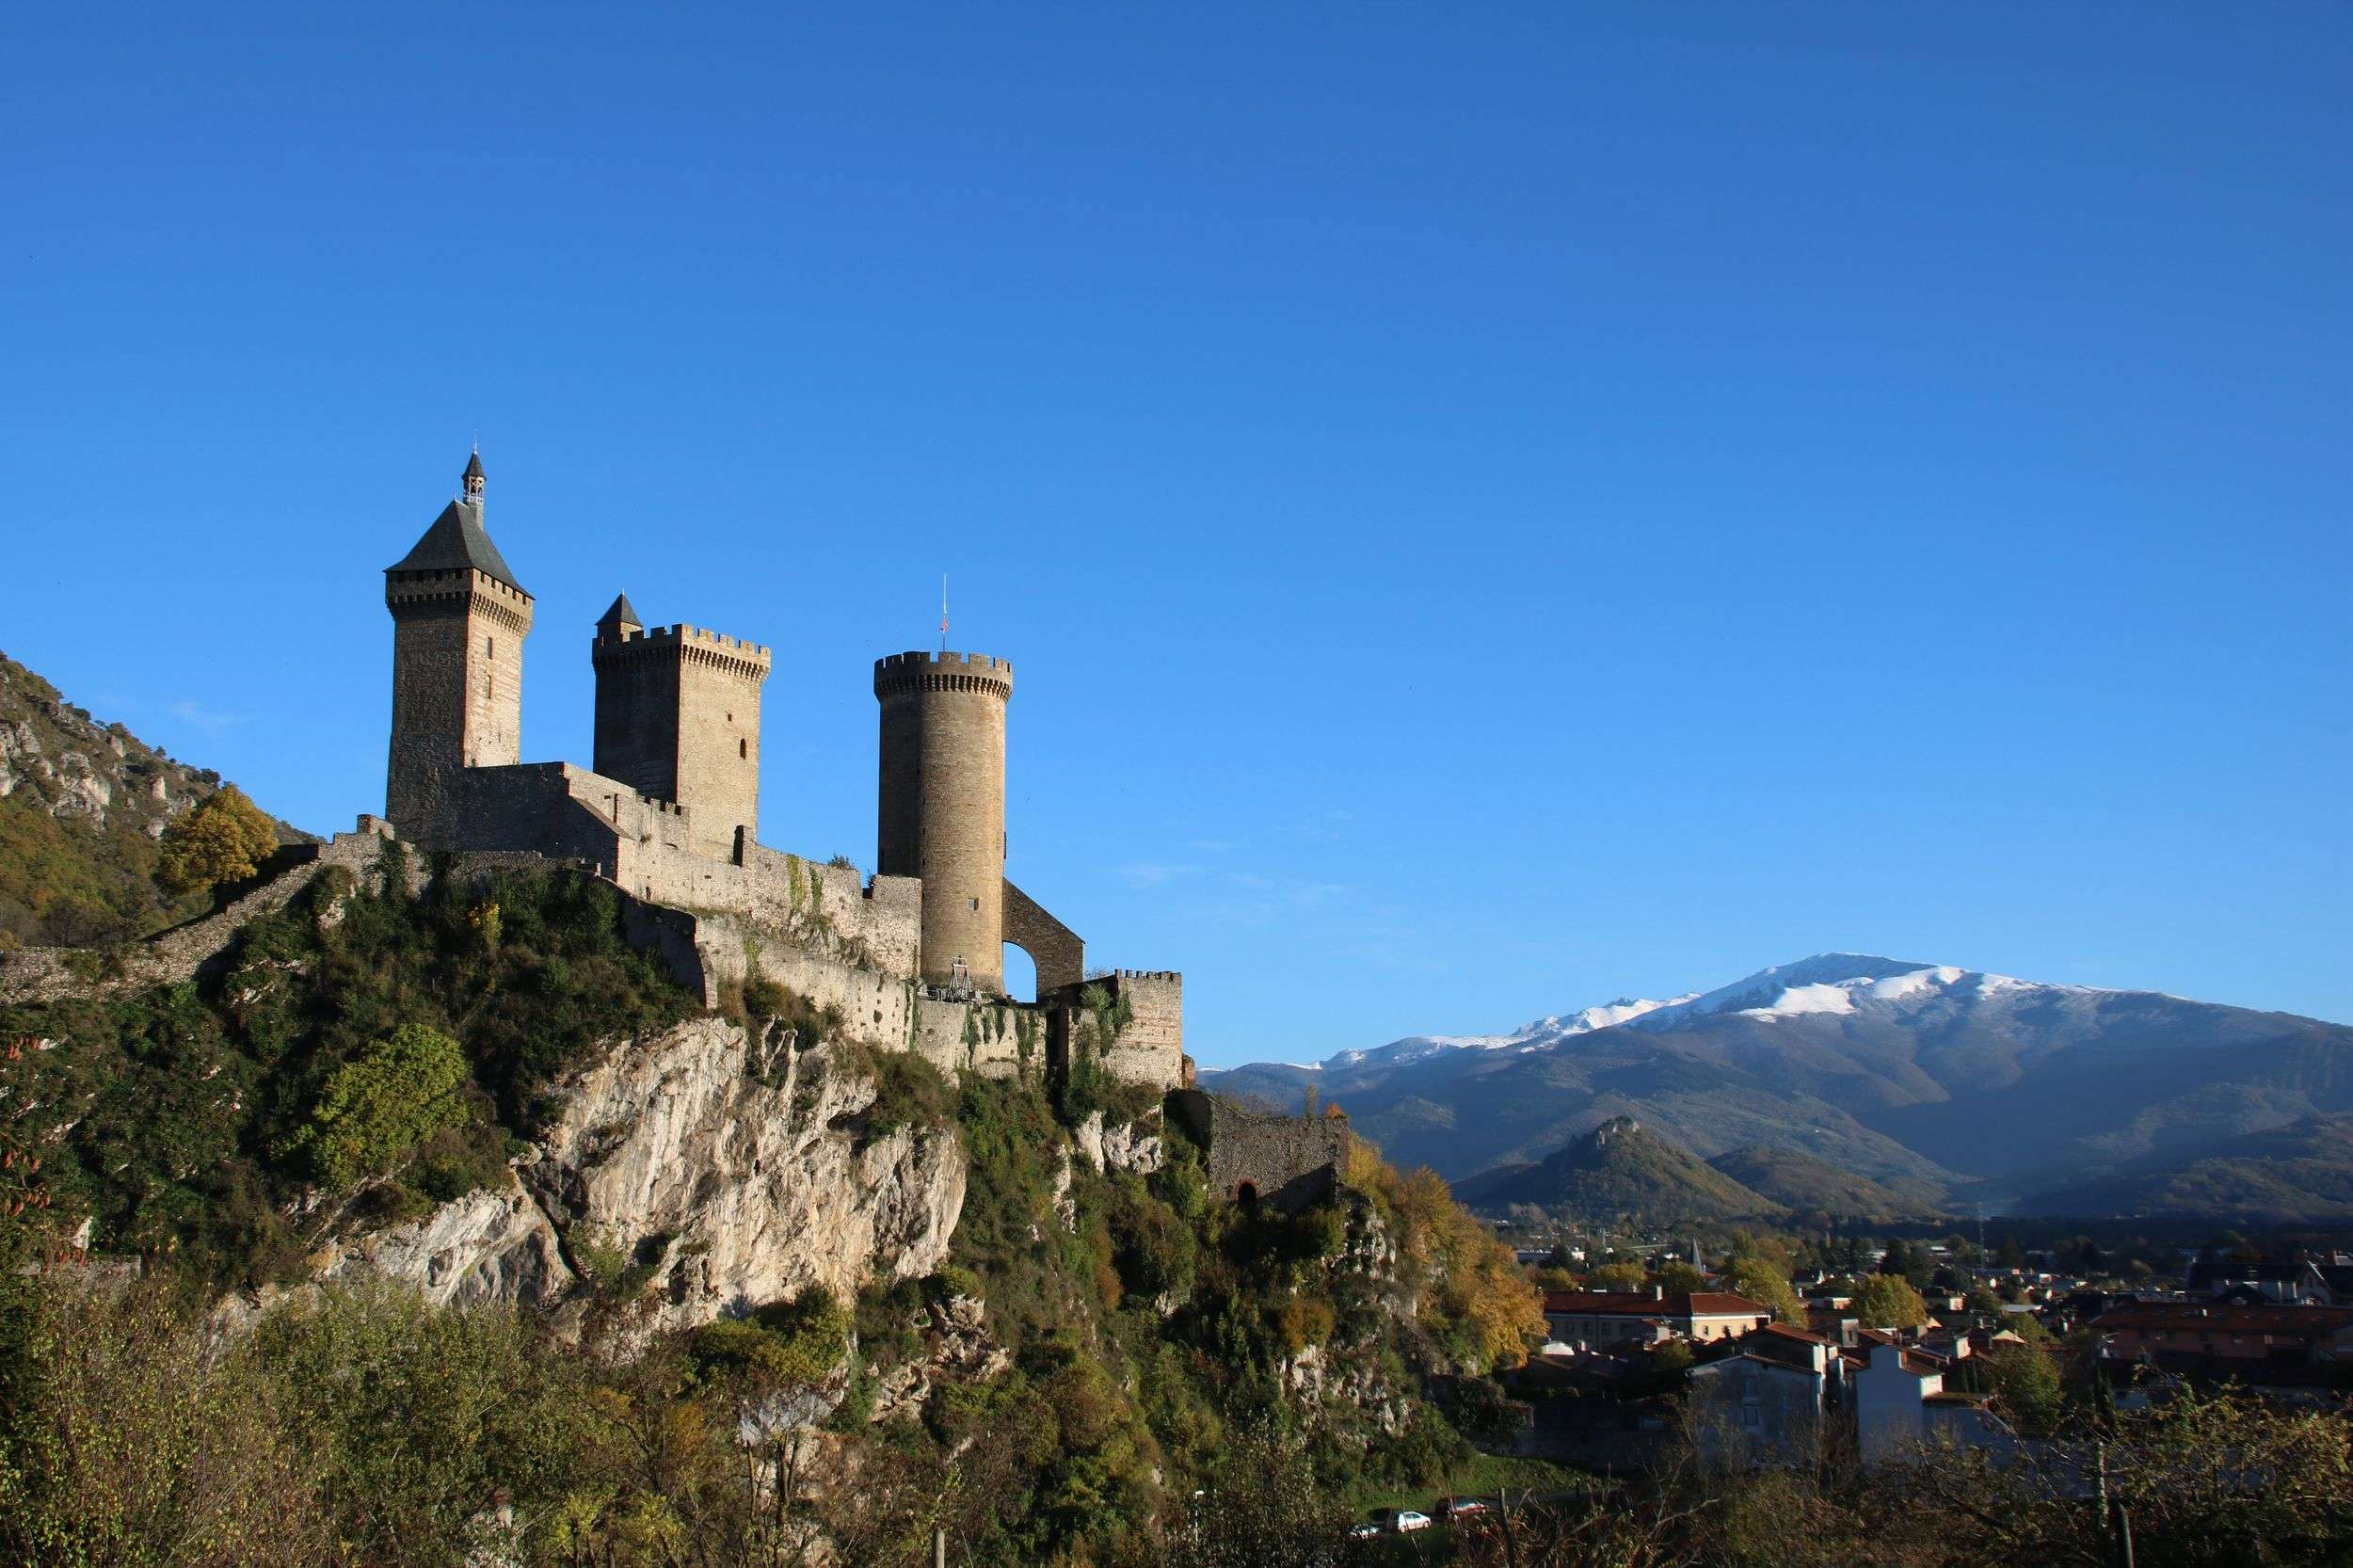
957, 1348
485, 1246
1131, 1147
668, 1161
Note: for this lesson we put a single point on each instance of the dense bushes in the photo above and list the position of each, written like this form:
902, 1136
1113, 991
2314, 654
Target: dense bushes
376, 1107
181, 1120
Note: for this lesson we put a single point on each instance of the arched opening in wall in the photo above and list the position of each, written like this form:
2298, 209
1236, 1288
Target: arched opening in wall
1246, 1194
1020, 972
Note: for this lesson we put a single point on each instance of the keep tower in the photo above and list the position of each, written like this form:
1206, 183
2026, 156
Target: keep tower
458, 623
942, 804
677, 718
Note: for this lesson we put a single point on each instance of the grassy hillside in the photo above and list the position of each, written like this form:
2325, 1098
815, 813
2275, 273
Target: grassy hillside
1806, 1184
82, 805
1620, 1172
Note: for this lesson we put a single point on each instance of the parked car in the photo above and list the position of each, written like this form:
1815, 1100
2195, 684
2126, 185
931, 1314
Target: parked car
1462, 1508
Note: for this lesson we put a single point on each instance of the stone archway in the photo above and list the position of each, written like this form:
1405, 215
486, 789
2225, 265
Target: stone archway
1053, 947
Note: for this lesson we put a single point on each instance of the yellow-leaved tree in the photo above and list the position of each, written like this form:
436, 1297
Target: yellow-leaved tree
1474, 1296
224, 839
1763, 1281
1888, 1300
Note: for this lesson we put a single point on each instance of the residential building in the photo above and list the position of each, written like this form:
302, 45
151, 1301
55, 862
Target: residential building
1902, 1407
2269, 1344
1606, 1316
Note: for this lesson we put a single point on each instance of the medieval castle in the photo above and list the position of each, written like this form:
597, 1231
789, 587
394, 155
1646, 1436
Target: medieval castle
669, 812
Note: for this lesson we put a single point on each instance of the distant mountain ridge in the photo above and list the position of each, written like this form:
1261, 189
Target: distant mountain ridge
1931, 1080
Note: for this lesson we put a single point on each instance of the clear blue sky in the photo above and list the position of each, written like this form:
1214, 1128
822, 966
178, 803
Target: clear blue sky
1492, 507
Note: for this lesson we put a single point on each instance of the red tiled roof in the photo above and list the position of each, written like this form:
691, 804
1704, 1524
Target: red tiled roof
2293, 1322
1638, 1304
1782, 1331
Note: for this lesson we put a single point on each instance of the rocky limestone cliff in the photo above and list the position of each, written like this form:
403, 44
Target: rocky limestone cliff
711, 1190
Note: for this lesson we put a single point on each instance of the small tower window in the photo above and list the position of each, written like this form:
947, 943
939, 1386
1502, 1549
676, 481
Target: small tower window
743, 750
490, 646
975, 903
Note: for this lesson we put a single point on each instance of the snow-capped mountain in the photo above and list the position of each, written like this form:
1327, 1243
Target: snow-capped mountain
1542, 1032
1890, 1068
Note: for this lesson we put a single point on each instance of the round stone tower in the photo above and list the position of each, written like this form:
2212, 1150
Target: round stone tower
942, 813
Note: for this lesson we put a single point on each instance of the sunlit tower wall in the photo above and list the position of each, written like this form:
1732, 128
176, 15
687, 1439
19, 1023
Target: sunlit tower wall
677, 719
458, 623
942, 804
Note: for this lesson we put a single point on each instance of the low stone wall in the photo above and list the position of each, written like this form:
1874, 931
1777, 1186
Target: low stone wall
816, 930
54, 974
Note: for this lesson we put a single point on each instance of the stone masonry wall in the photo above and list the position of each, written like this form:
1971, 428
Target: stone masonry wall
1286, 1161
458, 684
635, 736
1151, 1048
718, 735
677, 719
52, 974
1053, 947
941, 808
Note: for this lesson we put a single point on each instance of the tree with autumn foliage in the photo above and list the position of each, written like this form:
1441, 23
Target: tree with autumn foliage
226, 838
1474, 1294
1889, 1302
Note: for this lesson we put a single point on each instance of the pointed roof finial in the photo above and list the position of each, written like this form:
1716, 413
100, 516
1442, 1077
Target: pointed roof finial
620, 620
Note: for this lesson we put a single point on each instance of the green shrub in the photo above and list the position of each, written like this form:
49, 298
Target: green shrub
800, 1341
908, 1092
376, 1109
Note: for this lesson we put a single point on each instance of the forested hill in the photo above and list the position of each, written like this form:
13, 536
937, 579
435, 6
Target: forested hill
1619, 1171
2299, 1174
83, 806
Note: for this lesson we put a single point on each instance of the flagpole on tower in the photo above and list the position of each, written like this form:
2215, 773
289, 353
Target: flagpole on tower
943, 612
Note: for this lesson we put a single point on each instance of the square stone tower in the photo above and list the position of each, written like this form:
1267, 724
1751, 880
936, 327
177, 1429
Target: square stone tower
677, 718
458, 623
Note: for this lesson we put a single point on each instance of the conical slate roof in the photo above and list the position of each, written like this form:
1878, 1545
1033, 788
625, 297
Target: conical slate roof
455, 542
622, 614
473, 466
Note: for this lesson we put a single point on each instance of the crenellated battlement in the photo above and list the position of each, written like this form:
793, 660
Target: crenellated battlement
900, 674
457, 592
740, 655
